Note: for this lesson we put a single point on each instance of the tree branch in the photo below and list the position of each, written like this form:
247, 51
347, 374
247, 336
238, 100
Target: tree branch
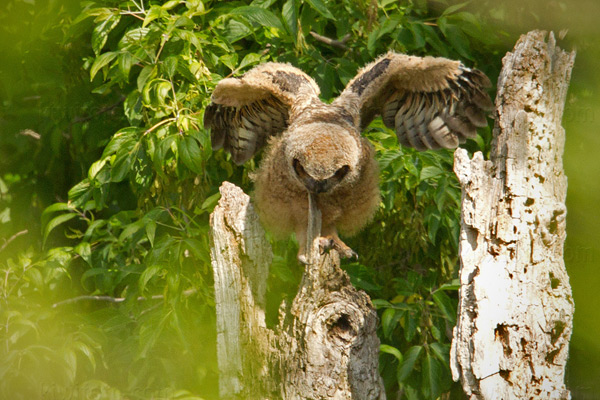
13, 237
111, 299
341, 44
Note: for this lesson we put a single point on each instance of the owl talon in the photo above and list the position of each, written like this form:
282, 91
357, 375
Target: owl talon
348, 253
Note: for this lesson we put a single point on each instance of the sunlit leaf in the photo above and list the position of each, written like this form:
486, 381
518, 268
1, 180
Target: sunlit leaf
289, 12
56, 221
154, 13
190, 154
321, 8
101, 31
258, 15
101, 61
384, 348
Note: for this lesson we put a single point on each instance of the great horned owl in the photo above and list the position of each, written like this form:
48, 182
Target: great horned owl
316, 149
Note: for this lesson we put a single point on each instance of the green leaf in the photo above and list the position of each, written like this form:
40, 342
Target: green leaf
191, 154
151, 231
170, 4
133, 107
34, 276
101, 61
56, 207
289, 12
70, 363
384, 348
429, 172
131, 229
321, 8
432, 377
454, 8
101, 31
235, 30
200, 249
126, 61
170, 65
85, 251
147, 73
410, 325
445, 305
121, 166
148, 274
91, 273
407, 366
259, 16
250, 59
125, 138
453, 285
433, 224
162, 89
442, 352
56, 221
410, 166
96, 167
78, 193
210, 202
154, 13
229, 60
389, 321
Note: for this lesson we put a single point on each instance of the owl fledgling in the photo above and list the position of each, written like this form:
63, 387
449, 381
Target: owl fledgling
317, 149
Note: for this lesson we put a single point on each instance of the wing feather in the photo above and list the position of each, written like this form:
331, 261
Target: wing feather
246, 111
429, 102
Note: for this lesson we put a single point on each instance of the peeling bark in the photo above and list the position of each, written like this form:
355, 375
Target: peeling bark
515, 305
325, 346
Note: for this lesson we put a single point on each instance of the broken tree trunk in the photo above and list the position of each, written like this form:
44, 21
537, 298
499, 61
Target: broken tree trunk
325, 346
515, 305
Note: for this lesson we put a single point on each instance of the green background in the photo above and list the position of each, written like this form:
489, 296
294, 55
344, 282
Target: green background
35, 63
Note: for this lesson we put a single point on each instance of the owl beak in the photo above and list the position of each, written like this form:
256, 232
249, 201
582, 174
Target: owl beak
317, 186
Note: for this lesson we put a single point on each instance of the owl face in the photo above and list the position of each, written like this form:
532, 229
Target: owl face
321, 156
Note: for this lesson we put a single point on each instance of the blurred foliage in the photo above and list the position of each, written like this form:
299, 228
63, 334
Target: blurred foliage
107, 179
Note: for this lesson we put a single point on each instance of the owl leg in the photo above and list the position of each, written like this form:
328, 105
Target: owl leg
330, 240
302, 247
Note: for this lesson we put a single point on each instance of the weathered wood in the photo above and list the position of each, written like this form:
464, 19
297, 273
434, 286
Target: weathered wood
325, 346
331, 349
240, 259
515, 305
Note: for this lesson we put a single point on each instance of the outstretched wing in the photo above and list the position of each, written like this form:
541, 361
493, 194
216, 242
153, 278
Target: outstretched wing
429, 102
246, 111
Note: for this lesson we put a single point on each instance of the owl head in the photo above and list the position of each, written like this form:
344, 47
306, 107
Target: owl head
321, 156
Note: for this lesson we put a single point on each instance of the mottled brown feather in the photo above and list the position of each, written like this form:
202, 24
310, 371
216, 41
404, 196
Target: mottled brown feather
410, 93
246, 111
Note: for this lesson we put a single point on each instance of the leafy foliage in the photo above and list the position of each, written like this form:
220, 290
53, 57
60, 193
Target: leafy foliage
120, 301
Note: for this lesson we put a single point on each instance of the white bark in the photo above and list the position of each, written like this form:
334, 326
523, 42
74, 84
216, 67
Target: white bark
515, 305
325, 346
240, 259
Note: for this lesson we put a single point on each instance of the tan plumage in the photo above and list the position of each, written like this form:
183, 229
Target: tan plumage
315, 147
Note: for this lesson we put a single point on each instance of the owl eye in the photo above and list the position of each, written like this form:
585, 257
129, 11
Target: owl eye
299, 168
341, 173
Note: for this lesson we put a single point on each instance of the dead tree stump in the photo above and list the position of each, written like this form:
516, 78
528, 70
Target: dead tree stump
325, 346
515, 305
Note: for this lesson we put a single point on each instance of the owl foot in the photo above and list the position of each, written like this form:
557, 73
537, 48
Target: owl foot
327, 243
334, 242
